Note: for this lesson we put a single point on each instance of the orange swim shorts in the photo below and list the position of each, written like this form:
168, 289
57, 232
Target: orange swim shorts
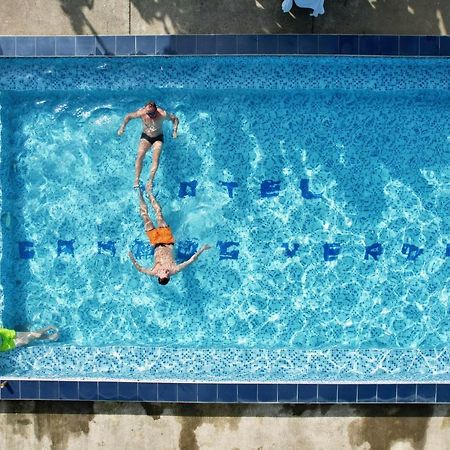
161, 235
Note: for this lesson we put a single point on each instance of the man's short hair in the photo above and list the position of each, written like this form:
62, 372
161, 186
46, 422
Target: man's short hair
151, 103
163, 280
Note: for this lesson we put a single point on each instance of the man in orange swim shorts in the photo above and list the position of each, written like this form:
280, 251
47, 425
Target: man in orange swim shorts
163, 241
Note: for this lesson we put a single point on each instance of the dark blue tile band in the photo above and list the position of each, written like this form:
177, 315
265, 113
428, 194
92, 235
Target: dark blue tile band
11, 390
49, 390
409, 45
186, 45
145, 45
147, 392
369, 45
107, 390
247, 393
347, 393
7, 46
206, 45
348, 45
307, 393
406, 393
207, 393
444, 45
167, 392
308, 44
327, 393
105, 45
386, 393
226, 393
29, 390
367, 393
443, 393
429, 45
226, 44
247, 44
25, 46
88, 390
267, 393
85, 45
68, 390
125, 45
65, 45
128, 391
287, 44
328, 44
45, 46
426, 393
287, 393
187, 392
266, 44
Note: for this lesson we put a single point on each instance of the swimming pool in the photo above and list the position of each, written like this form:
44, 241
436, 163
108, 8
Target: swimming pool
322, 184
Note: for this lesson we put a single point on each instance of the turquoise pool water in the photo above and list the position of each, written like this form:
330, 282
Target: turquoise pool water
326, 206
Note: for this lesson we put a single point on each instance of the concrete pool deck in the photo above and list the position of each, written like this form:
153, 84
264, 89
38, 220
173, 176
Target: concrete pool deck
86, 425
99, 17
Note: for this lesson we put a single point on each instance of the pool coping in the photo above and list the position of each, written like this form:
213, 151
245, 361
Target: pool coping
223, 44
227, 45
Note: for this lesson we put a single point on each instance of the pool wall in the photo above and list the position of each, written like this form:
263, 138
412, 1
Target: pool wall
222, 392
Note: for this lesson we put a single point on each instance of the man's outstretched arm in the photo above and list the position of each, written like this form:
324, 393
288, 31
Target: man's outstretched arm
128, 117
138, 266
174, 119
183, 265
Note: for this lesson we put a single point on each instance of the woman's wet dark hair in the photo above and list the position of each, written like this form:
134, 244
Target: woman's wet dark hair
163, 280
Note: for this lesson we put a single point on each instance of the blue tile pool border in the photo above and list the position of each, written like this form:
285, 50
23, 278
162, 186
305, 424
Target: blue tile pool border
220, 44
259, 393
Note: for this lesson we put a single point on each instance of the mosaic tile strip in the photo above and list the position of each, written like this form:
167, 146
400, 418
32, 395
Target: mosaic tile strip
225, 393
255, 72
237, 365
169, 45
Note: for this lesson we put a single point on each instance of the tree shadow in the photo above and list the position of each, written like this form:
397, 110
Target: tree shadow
423, 17
78, 20
181, 17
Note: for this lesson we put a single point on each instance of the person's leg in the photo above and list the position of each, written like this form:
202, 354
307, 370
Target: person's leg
148, 224
24, 338
144, 145
158, 211
157, 148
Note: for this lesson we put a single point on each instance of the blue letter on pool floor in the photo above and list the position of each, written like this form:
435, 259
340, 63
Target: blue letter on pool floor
306, 193
374, 250
412, 251
331, 251
65, 247
230, 185
224, 253
270, 188
26, 249
142, 249
108, 247
187, 189
288, 252
186, 249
